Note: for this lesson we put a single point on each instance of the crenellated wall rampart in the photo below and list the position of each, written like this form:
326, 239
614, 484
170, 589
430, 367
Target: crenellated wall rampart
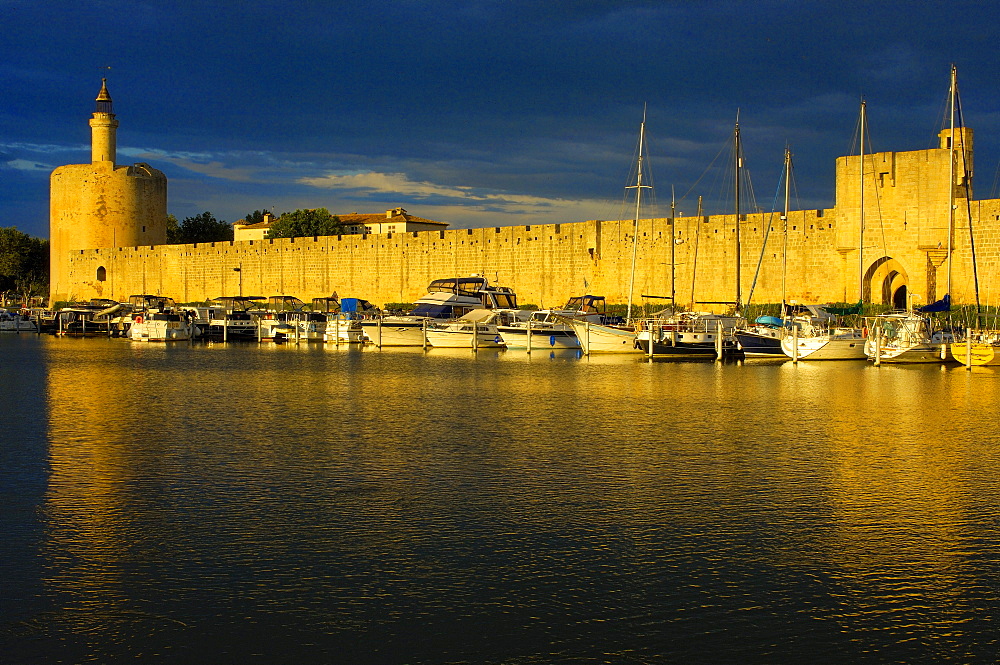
812, 258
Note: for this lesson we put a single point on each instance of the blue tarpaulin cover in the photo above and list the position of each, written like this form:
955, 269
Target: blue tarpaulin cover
943, 305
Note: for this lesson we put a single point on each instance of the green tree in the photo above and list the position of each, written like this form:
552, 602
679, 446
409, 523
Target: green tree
173, 230
24, 264
200, 228
256, 217
317, 222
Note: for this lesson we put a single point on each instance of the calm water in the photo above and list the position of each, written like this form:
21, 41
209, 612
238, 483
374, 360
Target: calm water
245, 504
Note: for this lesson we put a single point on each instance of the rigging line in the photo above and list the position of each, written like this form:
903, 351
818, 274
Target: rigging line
767, 233
707, 170
967, 185
877, 190
996, 182
745, 172
865, 127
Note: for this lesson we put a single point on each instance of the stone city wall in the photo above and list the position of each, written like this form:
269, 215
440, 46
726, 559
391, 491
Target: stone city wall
905, 253
545, 264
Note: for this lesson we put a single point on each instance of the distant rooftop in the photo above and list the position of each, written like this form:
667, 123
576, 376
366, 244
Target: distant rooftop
356, 218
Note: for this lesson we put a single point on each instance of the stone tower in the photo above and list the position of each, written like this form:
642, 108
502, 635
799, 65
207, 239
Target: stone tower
907, 198
102, 205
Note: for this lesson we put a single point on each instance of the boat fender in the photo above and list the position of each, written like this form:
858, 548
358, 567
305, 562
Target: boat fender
138, 319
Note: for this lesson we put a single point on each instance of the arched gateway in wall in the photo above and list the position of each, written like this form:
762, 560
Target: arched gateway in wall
886, 283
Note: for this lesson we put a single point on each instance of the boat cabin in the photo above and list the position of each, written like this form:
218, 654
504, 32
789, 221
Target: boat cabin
587, 304
284, 304
148, 303
356, 308
329, 305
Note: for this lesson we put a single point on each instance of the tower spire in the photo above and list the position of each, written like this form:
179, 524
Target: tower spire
104, 99
103, 127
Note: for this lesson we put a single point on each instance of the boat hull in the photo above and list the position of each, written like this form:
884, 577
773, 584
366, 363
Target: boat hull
982, 354
517, 338
16, 324
825, 347
919, 353
158, 331
597, 338
394, 333
233, 331
345, 335
756, 344
682, 350
461, 339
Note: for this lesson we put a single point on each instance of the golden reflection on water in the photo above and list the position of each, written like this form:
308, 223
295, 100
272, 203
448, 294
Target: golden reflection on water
857, 496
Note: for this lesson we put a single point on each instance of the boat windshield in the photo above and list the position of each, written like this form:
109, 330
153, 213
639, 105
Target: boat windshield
433, 311
326, 305
504, 300
285, 304
587, 304
463, 286
238, 303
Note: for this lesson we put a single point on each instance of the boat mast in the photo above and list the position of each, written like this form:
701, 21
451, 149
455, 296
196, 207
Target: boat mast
960, 120
638, 202
951, 171
739, 165
861, 206
673, 243
784, 227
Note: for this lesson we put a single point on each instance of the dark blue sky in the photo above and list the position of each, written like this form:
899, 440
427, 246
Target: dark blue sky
480, 113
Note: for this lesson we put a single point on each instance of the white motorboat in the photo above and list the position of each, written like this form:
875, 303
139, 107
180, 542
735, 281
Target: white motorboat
232, 319
286, 319
168, 326
548, 328
159, 319
477, 329
15, 323
446, 299
343, 321
86, 320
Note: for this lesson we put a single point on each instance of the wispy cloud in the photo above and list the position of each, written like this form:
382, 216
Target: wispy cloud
206, 164
27, 165
43, 148
398, 184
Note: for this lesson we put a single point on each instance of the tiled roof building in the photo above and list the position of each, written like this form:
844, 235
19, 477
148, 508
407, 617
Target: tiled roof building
396, 220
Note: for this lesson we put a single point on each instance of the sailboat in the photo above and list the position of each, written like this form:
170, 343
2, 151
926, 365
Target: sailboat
907, 337
911, 337
700, 334
981, 345
763, 337
600, 338
816, 333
